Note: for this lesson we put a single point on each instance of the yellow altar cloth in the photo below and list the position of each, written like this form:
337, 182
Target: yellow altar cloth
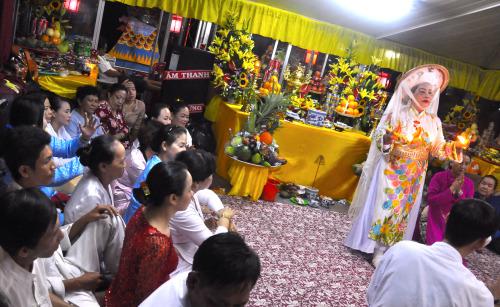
247, 179
487, 168
66, 86
301, 145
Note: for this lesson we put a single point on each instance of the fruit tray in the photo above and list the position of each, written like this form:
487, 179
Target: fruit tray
253, 164
347, 115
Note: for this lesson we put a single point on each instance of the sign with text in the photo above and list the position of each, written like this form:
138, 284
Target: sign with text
196, 108
186, 75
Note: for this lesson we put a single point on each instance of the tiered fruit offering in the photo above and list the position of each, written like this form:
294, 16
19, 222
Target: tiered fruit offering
258, 149
349, 107
271, 86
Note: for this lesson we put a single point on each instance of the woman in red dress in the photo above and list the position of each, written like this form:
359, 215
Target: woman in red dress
148, 255
110, 114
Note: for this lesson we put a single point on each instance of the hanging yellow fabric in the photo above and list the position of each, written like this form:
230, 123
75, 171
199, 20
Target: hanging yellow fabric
328, 38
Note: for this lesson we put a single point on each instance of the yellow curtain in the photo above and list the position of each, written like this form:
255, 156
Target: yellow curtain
328, 38
490, 85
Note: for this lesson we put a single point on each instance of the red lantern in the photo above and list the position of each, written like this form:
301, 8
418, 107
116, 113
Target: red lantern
176, 24
72, 5
311, 54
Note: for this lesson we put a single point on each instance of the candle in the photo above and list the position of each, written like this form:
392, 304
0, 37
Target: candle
463, 140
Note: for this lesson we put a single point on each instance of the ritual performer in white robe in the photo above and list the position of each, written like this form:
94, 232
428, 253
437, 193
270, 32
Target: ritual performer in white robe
188, 227
387, 200
105, 157
412, 274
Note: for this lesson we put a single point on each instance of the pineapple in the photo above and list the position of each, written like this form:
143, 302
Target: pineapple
265, 113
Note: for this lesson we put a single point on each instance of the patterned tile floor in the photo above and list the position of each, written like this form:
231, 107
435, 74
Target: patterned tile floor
304, 261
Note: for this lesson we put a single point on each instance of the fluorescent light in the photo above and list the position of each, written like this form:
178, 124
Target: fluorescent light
381, 10
391, 54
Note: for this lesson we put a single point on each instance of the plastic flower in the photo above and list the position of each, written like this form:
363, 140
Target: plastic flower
224, 56
223, 33
248, 65
219, 75
218, 41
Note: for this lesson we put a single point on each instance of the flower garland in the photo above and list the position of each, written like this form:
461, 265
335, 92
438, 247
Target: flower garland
234, 60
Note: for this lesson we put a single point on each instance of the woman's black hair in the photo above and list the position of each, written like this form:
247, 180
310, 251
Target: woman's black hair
56, 102
200, 164
27, 110
177, 106
167, 134
22, 146
115, 88
146, 134
25, 216
164, 179
84, 91
156, 109
100, 150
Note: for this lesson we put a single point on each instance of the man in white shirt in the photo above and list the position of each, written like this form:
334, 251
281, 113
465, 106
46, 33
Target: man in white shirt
412, 274
91, 242
225, 270
107, 73
29, 230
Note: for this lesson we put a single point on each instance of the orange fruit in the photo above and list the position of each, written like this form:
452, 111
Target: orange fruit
350, 98
56, 40
343, 103
349, 111
45, 38
353, 104
338, 109
266, 137
356, 112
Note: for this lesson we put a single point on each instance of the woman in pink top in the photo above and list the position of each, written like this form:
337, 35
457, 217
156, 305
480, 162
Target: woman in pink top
445, 189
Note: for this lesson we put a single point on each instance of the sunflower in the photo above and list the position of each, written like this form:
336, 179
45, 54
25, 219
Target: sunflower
467, 114
243, 80
55, 5
461, 126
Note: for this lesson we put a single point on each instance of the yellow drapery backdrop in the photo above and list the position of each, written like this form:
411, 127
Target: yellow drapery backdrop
307, 33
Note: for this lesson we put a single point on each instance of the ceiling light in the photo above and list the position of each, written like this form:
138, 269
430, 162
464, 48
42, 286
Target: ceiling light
381, 10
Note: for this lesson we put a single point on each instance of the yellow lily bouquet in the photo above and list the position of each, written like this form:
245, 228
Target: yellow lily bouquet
355, 84
234, 60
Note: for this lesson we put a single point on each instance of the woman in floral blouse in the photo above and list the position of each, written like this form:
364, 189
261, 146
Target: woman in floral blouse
111, 115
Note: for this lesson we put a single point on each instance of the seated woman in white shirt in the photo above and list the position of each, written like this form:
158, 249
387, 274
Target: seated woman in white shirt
105, 157
61, 111
188, 227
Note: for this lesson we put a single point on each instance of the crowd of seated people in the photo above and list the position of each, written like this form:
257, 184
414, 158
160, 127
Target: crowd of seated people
123, 164
132, 230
